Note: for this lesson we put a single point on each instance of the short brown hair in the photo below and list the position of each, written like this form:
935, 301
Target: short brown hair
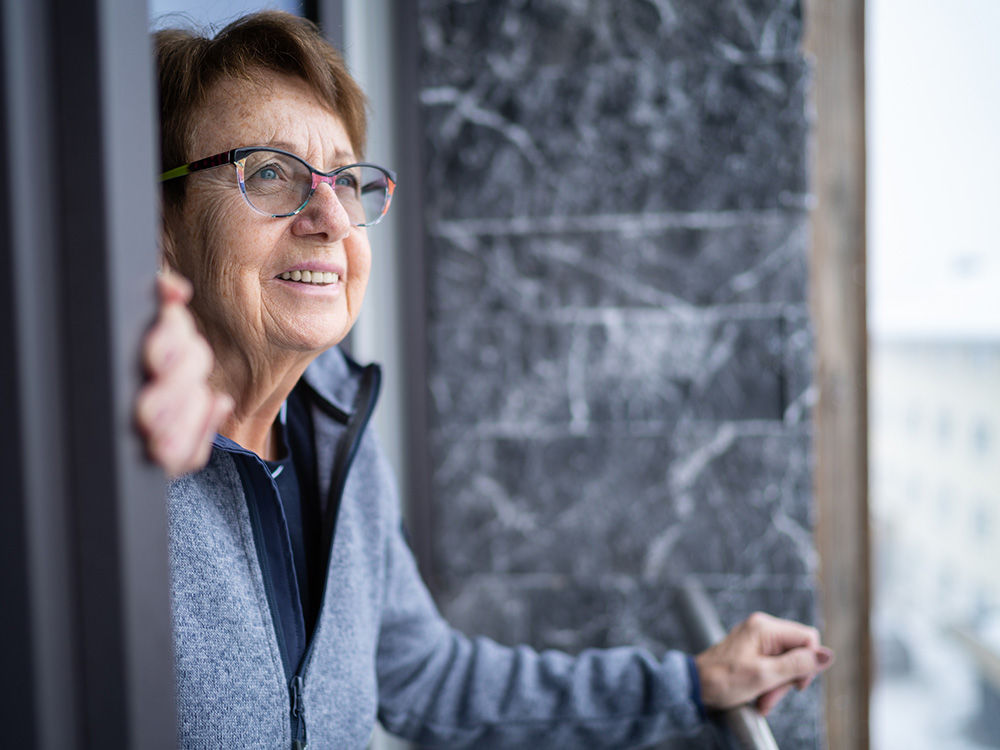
189, 64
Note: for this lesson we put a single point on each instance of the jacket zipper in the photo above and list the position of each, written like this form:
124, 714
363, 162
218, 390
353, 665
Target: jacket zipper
364, 405
298, 714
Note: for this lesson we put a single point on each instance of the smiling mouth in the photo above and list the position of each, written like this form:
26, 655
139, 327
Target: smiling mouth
310, 277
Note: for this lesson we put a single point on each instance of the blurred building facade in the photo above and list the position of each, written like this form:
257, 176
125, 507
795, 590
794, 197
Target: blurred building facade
934, 271
935, 437
935, 447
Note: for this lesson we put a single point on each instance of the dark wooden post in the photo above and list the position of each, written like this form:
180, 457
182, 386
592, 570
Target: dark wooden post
836, 40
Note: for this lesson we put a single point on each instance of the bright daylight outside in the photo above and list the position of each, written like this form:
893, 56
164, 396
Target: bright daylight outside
934, 398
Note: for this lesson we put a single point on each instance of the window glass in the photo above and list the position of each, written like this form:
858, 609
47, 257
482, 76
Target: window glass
934, 265
215, 13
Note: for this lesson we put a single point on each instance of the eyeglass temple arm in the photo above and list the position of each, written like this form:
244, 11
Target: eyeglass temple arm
217, 160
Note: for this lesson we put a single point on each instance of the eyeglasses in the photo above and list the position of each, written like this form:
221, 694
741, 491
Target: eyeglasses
277, 183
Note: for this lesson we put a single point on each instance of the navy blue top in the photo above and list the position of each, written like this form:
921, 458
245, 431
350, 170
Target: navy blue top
284, 506
298, 494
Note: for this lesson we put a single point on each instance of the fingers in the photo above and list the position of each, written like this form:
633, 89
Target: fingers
777, 635
167, 340
181, 400
178, 447
177, 411
796, 648
807, 663
797, 664
772, 698
172, 287
164, 426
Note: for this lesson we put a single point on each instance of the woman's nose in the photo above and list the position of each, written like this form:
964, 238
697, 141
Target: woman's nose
325, 214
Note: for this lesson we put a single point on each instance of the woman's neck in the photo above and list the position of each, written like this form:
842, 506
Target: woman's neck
259, 392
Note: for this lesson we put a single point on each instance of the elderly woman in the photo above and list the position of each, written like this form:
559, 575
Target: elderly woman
298, 612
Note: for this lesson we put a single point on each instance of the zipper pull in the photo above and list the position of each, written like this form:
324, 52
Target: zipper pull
298, 715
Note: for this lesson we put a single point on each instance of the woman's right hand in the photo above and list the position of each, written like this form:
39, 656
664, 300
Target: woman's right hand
177, 412
761, 659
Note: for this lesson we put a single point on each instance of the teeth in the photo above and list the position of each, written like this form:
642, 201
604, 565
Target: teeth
310, 277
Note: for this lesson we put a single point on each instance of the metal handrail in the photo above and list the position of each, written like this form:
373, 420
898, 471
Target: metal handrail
748, 726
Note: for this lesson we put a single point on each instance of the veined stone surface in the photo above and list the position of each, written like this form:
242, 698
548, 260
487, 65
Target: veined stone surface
619, 342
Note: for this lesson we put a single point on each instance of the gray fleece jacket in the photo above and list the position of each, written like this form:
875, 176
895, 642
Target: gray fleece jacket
381, 651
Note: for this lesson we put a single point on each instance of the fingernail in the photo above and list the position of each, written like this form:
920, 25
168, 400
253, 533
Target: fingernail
824, 656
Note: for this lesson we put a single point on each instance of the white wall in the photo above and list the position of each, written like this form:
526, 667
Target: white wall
377, 336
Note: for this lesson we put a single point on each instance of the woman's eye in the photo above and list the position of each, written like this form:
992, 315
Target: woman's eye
348, 181
269, 172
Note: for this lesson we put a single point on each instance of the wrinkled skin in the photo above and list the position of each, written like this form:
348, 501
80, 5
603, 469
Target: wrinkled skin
264, 330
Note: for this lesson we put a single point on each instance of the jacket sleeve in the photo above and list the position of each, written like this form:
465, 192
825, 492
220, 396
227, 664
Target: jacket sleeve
441, 689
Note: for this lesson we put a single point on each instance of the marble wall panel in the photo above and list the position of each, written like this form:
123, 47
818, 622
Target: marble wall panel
501, 373
619, 138
516, 36
749, 259
797, 363
507, 608
708, 499
619, 344
506, 514
612, 366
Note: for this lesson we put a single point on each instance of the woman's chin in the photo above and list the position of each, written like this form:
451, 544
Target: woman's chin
313, 323
308, 345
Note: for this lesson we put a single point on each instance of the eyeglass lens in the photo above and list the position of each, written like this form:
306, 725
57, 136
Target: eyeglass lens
279, 184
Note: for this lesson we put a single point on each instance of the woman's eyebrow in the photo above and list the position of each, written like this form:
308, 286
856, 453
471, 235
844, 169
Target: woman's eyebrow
339, 157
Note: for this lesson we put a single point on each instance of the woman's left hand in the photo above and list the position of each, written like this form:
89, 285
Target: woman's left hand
177, 411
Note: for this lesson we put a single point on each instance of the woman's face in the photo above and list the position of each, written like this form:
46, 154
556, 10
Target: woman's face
235, 256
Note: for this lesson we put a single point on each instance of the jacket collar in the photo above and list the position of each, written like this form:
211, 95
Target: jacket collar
334, 377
